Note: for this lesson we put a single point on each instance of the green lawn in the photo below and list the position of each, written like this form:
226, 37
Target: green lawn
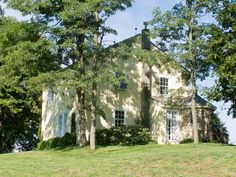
147, 160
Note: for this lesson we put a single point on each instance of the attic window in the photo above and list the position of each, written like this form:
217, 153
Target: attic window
163, 86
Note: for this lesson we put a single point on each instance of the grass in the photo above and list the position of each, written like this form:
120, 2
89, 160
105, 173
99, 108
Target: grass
147, 160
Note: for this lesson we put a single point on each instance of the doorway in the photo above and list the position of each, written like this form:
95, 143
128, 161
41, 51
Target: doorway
172, 125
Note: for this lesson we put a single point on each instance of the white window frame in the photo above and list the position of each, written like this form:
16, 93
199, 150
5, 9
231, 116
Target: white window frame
164, 85
62, 124
124, 121
172, 125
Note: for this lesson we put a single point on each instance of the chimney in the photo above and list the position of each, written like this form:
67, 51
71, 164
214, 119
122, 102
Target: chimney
146, 37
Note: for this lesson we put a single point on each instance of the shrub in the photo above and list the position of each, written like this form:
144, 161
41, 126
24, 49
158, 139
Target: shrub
187, 140
127, 135
218, 130
59, 142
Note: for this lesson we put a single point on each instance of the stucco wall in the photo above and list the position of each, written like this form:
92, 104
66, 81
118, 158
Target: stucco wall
203, 117
63, 102
174, 81
128, 100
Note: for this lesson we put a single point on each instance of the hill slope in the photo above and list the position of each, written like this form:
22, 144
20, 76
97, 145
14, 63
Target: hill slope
148, 160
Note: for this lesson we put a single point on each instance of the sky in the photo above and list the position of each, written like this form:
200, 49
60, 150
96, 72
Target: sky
125, 23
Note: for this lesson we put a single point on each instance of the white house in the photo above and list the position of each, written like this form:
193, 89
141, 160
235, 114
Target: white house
154, 97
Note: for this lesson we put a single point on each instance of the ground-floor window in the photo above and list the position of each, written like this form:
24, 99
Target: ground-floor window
172, 125
62, 124
119, 118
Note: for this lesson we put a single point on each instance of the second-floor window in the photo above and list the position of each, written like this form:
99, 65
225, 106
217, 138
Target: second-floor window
163, 86
123, 84
51, 95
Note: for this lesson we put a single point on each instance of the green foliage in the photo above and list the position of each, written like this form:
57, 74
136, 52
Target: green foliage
219, 133
127, 135
59, 142
182, 33
77, 27
222, 54
187, 140
24, 54
171, 31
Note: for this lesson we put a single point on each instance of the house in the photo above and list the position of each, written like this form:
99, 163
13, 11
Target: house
156, 97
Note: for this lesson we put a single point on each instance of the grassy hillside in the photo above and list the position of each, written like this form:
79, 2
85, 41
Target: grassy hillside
148, 160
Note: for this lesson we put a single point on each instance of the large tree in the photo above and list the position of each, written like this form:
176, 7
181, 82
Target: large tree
180, 32
78, 27
24, 53
222, 54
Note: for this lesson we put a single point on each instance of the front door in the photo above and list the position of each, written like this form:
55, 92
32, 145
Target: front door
172, 126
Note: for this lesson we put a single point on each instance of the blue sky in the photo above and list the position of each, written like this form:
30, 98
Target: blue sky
125, 24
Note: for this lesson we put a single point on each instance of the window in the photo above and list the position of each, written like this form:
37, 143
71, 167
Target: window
119, 118
60, 121
172, 126
51, 95
62, 124
163, 86
122, 85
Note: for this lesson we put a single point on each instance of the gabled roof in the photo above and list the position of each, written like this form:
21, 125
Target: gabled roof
131, 39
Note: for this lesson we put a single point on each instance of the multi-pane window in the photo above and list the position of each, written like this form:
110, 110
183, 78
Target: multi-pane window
163, 86
119, 118
172, 126
62, 124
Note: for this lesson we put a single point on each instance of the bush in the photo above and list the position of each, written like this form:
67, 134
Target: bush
59, 142
218, 130
127, 135
187, 140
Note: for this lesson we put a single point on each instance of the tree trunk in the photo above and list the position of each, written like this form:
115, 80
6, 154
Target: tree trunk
193, 77
1, 138
94, 90
81, 136
81, 118
193, 107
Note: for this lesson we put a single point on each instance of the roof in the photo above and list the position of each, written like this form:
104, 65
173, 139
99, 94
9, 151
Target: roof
184, 102
131, 39
200, 102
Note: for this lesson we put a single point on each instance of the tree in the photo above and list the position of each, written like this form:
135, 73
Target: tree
23, 54
181, 33
222, 54
77, 27
218, 133
102, 10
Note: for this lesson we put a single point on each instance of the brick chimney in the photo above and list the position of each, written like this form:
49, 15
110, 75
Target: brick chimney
145, 81
146, 37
